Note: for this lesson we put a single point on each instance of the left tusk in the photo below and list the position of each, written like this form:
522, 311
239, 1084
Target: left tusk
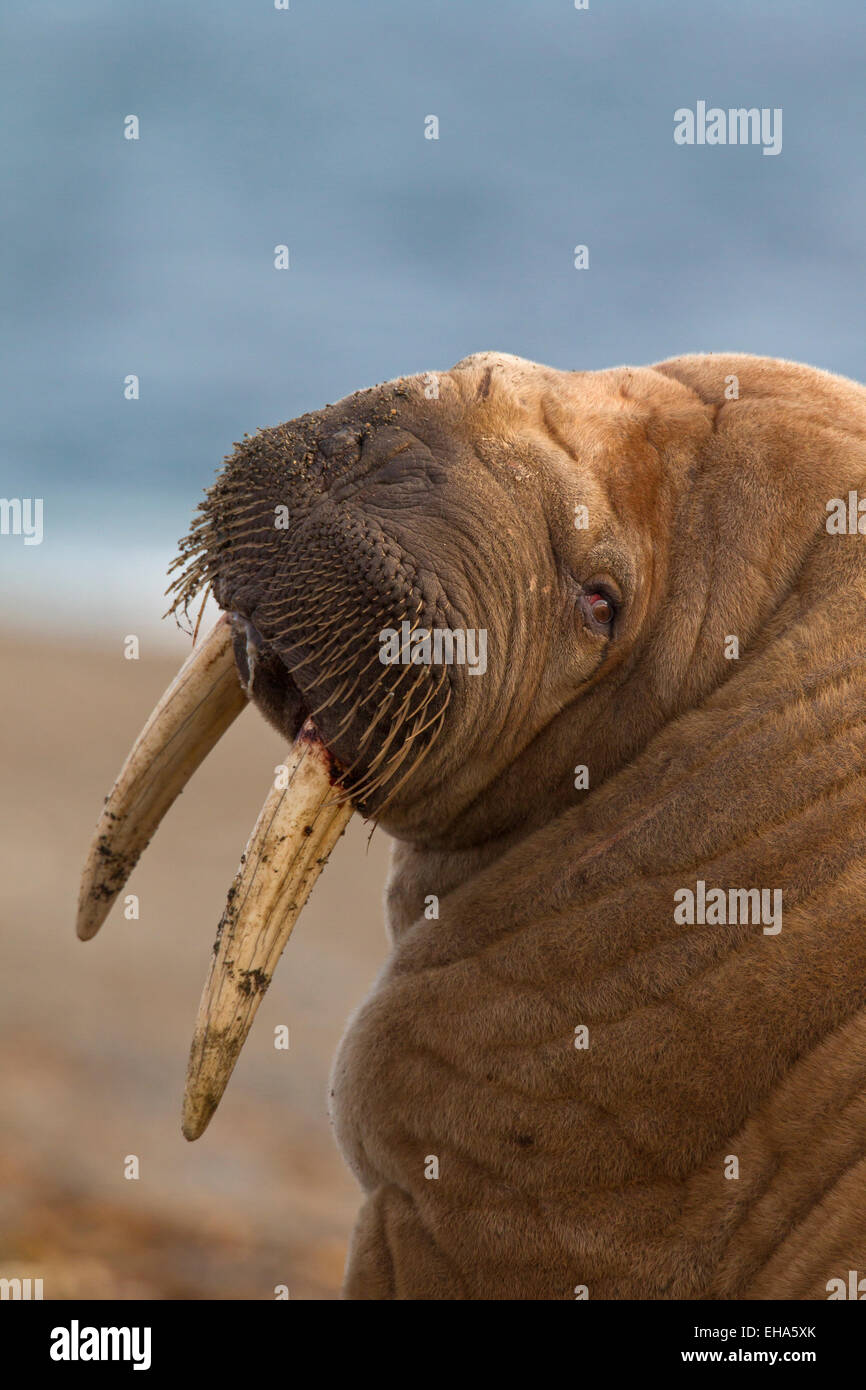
293, 837
193, 714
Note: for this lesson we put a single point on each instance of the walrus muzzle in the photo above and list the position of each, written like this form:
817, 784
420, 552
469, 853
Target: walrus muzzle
300, 822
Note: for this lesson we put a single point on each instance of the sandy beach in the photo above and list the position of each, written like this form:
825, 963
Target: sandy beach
95, 1035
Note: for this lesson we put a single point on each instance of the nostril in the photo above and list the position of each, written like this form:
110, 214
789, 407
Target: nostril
265, 679
247, 644
342, 448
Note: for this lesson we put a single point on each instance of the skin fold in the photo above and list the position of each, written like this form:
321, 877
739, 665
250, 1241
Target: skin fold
450, 500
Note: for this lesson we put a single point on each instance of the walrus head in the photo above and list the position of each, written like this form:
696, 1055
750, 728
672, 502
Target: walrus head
522, 515
481, 512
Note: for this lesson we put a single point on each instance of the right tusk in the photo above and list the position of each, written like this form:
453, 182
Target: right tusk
298, 827
193, 714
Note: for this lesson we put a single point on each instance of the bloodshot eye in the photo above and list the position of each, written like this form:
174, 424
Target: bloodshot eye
599, 610
602, 608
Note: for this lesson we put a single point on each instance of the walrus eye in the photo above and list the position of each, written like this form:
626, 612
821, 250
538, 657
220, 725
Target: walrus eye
599, 611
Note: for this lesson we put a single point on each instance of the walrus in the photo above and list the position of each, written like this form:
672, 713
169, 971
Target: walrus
618, 1049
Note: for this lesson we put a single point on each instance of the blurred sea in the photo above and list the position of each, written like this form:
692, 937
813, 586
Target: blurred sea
305, 127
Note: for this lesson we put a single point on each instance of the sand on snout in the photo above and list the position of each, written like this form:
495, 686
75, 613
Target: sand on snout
94, 1036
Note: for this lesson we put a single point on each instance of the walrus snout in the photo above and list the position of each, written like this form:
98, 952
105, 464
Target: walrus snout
317, 538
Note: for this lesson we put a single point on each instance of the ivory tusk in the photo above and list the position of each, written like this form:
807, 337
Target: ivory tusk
193, 714
298, 827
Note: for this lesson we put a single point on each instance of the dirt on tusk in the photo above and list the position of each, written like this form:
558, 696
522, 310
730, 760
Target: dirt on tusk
300, 822
193, 714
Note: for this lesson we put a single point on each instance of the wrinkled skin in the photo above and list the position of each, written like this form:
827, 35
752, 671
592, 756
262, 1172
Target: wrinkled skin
561, 1167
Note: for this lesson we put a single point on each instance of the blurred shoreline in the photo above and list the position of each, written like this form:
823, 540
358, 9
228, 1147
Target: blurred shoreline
95, 1036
